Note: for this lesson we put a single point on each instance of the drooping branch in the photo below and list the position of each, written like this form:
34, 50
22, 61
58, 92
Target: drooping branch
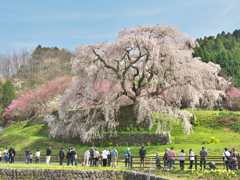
104, 62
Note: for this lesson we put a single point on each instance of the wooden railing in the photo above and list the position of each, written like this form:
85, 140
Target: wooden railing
135, 161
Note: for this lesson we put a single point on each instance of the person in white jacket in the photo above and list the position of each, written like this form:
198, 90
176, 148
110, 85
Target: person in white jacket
181, 158
191, 157
104, 156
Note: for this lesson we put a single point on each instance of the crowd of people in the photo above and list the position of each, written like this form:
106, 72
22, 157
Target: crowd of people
8, 155
105, 158
230, 158
109, 157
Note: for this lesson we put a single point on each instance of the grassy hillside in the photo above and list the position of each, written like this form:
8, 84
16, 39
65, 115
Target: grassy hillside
212, 124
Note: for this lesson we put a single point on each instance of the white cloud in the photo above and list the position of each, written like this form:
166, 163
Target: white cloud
18, 43
230, 4
141, 12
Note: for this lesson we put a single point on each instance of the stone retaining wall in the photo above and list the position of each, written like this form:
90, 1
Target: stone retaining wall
51, 174
125, 139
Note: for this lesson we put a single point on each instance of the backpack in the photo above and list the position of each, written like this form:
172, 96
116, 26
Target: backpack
228, 158
126, 156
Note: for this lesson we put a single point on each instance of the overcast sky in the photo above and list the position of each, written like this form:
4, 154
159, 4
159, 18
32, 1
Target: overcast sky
67, 23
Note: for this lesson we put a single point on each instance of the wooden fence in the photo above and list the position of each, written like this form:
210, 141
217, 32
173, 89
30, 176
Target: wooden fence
136, 161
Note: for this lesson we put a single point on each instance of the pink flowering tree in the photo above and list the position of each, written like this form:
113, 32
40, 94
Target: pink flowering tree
151, 67
39, 100
233, 95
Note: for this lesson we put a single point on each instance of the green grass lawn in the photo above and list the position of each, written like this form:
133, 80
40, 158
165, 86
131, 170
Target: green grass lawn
212, 124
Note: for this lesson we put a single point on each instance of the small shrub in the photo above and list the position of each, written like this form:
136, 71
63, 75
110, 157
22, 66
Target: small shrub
127, 129
93, 143
110, 143
117, 144
141, 129
212, 140
135, 144
142, 144
194, 123
148, 143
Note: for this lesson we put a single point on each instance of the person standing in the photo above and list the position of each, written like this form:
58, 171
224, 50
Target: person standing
104, 155
86, 157
31, 157
226, 158
61, 155
165, 158
37, 157
181, 159
13, 155
68, 156
73, 157
109, 157
5, 152
203, 154
114, 157
92, 157
171, 158
49, 152
191, 157
9, 155
127, 156
101, 159
27, 153
234, 159
96, 158
157, 159
142, 153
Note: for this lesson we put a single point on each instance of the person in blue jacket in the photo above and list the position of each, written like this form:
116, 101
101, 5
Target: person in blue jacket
127, 156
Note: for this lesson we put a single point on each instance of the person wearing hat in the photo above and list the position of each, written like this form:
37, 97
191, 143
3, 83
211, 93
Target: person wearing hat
157, 158
127, 156
61, 155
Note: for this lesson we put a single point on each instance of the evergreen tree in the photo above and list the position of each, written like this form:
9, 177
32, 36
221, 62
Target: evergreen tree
207, 55
8, 94
223, 34
218, 45
201, 53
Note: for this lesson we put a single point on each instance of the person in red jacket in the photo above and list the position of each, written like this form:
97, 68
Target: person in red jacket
171, 158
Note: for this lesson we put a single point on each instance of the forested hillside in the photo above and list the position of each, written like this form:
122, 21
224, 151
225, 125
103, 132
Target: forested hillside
224, 49
32, 79
36, 67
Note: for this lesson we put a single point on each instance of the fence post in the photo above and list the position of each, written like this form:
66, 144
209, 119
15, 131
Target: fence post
238, 161
131, 161
195, 162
